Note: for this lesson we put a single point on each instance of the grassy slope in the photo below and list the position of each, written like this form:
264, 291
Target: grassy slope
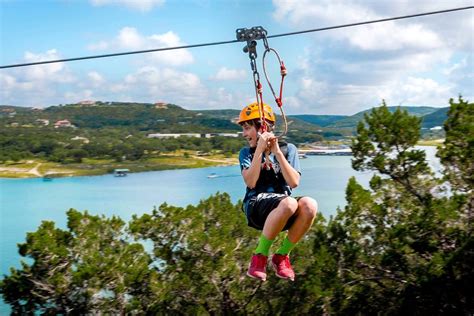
88, 167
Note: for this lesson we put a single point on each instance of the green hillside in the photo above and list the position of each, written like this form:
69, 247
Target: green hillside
436, 118
170, 118
301, 128
352, 121
225, 114
137, 116
320, 120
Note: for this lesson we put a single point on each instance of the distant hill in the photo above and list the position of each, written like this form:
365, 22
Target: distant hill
352, 121
436, 118
226, 113
295, 122
171, 118
167, 118
320, 120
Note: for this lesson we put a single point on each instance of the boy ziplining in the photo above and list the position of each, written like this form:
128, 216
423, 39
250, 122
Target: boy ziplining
270, 170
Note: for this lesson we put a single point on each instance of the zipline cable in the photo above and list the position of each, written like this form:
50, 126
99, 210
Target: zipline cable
235, 41
371, 22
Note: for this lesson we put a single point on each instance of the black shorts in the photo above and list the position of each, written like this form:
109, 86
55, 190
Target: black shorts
259, 207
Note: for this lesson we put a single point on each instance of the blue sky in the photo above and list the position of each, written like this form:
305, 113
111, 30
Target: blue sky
421, 61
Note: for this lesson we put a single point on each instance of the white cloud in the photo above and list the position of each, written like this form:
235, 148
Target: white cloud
76, 96
229, 74
419, 91
140, 5
8, 84
35, 85
128, 38
221, 99
414, 61
50, 72
389, 36
462, 75
95, 79
152, 83
352, 98
381, 36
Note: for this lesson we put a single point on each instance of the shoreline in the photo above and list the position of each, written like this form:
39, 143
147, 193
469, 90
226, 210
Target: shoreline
36, 168
40, 169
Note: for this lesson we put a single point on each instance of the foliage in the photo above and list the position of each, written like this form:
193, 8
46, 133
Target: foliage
88, 267
118, 130
64, 146
457, 154
436, 118
402, 246
415, 244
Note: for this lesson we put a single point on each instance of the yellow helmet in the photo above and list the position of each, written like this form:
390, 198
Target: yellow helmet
251, 112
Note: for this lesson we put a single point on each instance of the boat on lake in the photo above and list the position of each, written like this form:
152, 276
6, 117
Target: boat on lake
50, 176
121, 172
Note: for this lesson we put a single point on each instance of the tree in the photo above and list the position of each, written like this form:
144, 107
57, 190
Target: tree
203, 252
88, 268
402, 245
457, 156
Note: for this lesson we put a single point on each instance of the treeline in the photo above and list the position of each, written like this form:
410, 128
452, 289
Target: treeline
69, 145
402, 246
115, 130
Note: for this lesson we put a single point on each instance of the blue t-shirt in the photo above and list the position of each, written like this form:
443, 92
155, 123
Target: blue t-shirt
270, 181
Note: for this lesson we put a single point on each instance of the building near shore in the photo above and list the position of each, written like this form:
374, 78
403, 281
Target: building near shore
197, 135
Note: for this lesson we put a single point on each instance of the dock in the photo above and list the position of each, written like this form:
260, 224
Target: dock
327, 151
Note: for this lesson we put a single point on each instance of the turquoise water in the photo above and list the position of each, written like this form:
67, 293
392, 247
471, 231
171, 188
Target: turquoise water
26, 202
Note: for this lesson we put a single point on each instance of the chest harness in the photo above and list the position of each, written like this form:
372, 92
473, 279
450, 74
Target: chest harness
271, 178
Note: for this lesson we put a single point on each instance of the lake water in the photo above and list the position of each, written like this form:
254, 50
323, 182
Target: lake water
26, 202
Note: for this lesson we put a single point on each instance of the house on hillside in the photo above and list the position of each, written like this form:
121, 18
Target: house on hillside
43, 121
87, 103
83, 139
63, 123
161, 105
197, 135
159, 135
226, 134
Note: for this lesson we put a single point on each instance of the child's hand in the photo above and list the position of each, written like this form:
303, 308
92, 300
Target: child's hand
274, 147
264, 141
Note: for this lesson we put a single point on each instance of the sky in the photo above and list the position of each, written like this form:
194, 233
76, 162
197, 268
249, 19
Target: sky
423, 61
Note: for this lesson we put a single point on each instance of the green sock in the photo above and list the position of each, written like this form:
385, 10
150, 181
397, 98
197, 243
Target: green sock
286, 247
263, 245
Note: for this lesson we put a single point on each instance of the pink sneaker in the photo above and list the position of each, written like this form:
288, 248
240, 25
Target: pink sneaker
282, 266
257, 267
